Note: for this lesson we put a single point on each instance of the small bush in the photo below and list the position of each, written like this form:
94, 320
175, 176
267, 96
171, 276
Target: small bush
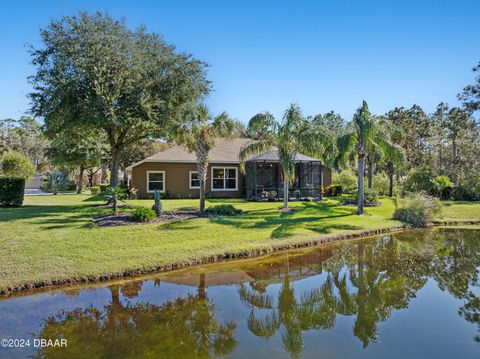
11, 191
370, 199
272, 196
381, 184
95, 190
442, 187
469, 189
333, 190
142, 214
417, 209
56, 181
15, 164
104, 187
420, 179
224, 210
347, 179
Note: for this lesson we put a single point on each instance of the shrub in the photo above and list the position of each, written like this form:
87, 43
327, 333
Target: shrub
442, 187
11, 191
334, 190
417, 209
56, 181
420, 179
95, 190
347, 179
469, 189
381, 184
272, 195
142, 214
224, 210
15, 164
114, 196
103, 187
370, 199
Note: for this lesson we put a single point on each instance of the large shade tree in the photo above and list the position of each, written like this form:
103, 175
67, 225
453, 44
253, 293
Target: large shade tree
92, 70
293, 135
196, 130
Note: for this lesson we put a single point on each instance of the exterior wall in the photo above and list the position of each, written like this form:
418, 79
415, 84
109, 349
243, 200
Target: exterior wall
177, 176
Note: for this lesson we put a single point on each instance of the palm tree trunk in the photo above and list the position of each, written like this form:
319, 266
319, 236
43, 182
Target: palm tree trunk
202, 194
361, 191
285, 192
370, 175
320, 196
80, 180
390, 179
202, 168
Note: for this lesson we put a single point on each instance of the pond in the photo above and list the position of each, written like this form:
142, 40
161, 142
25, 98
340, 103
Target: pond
414, 294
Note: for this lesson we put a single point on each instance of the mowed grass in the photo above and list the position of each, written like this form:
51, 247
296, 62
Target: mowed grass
52, 237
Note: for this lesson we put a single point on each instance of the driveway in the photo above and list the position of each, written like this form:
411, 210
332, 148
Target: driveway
35, 192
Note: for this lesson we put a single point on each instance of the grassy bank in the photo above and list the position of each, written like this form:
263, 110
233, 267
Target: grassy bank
52, 237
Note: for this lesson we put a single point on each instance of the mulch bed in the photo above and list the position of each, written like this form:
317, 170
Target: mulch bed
123, 219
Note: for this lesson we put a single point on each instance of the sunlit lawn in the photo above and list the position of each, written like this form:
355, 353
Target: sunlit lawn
52, 237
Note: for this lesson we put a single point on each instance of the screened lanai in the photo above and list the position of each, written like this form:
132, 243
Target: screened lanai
263, 174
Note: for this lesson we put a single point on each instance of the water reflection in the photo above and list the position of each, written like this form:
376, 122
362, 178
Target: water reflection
283, 297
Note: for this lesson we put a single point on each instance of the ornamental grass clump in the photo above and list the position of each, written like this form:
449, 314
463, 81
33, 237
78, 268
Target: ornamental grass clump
417, 209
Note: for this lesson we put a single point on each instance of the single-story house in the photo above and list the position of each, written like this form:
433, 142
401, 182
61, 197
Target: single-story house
174, 172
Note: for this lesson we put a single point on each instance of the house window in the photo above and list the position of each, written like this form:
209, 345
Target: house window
155, 181
224, 178
194, 180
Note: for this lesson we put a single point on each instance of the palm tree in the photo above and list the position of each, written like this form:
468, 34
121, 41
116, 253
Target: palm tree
291, 136
197, 132
366, 137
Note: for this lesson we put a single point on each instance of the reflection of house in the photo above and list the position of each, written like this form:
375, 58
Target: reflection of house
211, 278
175, 171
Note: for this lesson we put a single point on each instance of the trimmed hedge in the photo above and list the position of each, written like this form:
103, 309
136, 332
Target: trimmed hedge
11, 191
142, 214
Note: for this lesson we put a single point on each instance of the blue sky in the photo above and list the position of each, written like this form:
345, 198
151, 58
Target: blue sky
324, 55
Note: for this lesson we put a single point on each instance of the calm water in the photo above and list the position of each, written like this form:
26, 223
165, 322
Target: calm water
409, 295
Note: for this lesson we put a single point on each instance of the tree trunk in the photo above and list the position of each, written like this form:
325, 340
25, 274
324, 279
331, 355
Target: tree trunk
320, 196
390, 179
370, 174
114, 167
361, 191
80, 180
202, 169
285, 191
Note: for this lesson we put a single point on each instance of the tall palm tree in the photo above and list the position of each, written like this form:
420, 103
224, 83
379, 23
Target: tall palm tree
366, 137
197, 131
292, 135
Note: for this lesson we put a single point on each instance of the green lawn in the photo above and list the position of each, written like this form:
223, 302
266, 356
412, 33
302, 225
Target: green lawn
52, 237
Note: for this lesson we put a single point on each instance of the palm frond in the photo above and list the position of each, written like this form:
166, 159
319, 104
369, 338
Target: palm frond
263, 144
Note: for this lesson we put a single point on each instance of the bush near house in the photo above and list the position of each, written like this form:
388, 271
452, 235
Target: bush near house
347, 179
142, 214
370, 199
224, 210
333, 190
417, 209
11, 191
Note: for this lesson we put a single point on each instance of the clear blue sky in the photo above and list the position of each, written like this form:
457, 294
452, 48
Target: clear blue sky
324, 55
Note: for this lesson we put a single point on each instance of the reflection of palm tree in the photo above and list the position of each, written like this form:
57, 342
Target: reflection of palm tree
184, 327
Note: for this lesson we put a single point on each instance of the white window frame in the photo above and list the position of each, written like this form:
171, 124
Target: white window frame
164, 181
224, 179
190, 180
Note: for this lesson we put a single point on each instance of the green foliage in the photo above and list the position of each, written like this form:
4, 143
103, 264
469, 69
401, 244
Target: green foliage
224, 210
272, 196
381, 184
56, 181
103, 187
417, 209
93, 70
469, 189
420, 179
334, 190
114, 195
15, 164
370, 199
442, 186
347, 179
95, 190
142, 214
11, 191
